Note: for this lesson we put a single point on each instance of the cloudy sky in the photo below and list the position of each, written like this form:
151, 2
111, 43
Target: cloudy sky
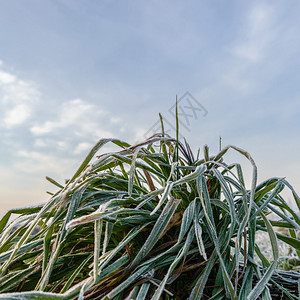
74, 71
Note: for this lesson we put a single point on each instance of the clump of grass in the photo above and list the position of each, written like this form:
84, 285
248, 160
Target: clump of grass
150, 221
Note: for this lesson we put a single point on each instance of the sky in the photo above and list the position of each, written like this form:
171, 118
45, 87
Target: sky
72, 72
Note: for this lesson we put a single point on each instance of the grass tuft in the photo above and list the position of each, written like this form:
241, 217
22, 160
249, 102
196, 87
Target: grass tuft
151, 222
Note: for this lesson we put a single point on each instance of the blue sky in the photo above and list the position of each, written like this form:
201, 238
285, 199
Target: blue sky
72, 72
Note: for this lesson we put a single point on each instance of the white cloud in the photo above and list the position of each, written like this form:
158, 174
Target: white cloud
35, 162
42, 129
259, 18
82, 147
6, 78
17, 115
62, 145
257, 33
41, 143
50, 143
82, 117
72, 112
17, 98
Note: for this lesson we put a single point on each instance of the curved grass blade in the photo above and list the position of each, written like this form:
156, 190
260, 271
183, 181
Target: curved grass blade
91, 154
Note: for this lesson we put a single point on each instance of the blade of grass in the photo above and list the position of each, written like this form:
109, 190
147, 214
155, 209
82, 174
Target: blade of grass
75, 274
262, 283
158, 229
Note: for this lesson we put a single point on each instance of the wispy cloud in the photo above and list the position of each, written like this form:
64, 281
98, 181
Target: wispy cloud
34, 162
258, 32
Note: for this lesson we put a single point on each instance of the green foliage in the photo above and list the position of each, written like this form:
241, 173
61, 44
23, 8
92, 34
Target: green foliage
148, 222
